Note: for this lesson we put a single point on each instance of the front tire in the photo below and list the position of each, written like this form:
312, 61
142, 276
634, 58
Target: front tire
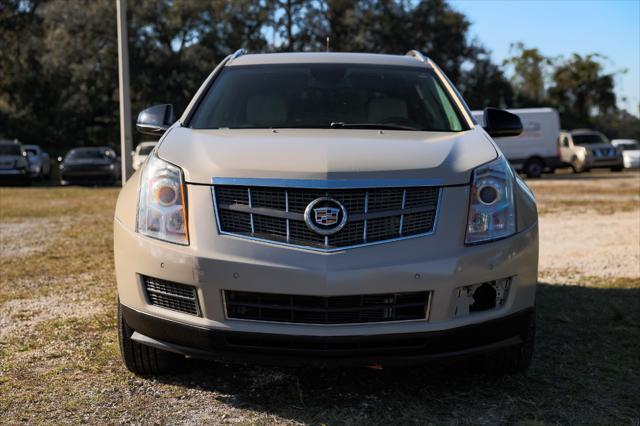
514, 359
617, 168
140, 359
534, 168
577, 166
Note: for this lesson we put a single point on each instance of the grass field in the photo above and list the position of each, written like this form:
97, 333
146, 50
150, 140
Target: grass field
59, 359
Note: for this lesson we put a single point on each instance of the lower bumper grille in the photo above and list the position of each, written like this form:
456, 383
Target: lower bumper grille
170, 295
327, 310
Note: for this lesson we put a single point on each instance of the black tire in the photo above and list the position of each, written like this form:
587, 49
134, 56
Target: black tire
534, 168
514, 359
140, 359
617, 168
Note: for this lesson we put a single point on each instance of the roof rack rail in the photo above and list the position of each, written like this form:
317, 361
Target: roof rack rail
237, 54
419, 56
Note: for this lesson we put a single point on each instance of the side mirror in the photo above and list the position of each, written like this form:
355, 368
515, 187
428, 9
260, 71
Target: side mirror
155, 120
500, 123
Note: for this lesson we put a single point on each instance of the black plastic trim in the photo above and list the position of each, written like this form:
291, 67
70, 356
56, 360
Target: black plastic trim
296, 350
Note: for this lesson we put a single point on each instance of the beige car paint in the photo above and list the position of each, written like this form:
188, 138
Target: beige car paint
440, 262
327, 154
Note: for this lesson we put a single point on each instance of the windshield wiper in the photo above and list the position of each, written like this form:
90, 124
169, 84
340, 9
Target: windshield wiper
382, 126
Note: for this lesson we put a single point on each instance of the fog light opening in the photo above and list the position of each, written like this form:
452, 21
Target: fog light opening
483, 298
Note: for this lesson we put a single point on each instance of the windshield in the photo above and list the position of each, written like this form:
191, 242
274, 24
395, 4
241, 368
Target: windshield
317, 95
629, 146
590, 138
77, 154
31, 152
10, 150
145, 150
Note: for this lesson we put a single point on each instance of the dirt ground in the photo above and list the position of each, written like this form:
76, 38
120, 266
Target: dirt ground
589, 227
59, 360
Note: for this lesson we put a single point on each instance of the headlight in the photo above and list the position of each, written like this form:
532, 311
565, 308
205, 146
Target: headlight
162, 210
491, 208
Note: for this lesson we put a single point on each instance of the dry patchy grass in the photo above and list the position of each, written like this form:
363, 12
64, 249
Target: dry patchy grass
60, 360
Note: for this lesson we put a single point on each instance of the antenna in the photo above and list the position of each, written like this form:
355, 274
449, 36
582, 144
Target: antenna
328, 40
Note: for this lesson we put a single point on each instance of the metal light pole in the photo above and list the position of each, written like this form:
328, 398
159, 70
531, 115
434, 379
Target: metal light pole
125, 100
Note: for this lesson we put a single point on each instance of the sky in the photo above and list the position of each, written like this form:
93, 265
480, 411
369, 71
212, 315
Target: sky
564, 27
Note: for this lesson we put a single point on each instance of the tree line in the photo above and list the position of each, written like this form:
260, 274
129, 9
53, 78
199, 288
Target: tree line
59, 76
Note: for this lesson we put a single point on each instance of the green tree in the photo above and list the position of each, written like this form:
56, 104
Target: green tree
25, 95
581, 89
483, 83
530, 70
58, 74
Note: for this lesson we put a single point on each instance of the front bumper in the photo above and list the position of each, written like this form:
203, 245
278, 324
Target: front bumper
14, 176
87, 176
597, 162
631, 162
439, 263
323, 351
13, 172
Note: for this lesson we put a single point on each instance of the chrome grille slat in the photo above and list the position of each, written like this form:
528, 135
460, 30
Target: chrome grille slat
374, 215
366, 210
286, 207
253, 230
404, 199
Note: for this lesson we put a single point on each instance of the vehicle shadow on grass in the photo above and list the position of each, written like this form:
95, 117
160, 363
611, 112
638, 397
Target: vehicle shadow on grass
586, 367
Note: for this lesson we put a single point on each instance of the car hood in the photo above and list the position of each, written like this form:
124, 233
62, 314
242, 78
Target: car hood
326, 154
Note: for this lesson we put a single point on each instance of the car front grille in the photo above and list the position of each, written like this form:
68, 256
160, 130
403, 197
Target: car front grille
170, 295
87, 167
604, 153
327, 310
373, 214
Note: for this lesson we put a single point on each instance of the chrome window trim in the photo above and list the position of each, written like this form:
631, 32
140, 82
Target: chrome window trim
327, 184
218, 181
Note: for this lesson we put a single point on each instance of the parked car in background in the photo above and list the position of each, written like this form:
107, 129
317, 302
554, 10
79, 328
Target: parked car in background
536, 149
585, 149
90, 165
630, 152
326, 209
39, 162
141, 152
14, 166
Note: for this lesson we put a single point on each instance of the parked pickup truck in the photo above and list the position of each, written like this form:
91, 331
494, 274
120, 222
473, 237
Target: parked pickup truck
586, 149
326, 209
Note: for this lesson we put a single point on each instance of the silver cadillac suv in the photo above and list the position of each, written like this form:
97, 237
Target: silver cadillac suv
326, 209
